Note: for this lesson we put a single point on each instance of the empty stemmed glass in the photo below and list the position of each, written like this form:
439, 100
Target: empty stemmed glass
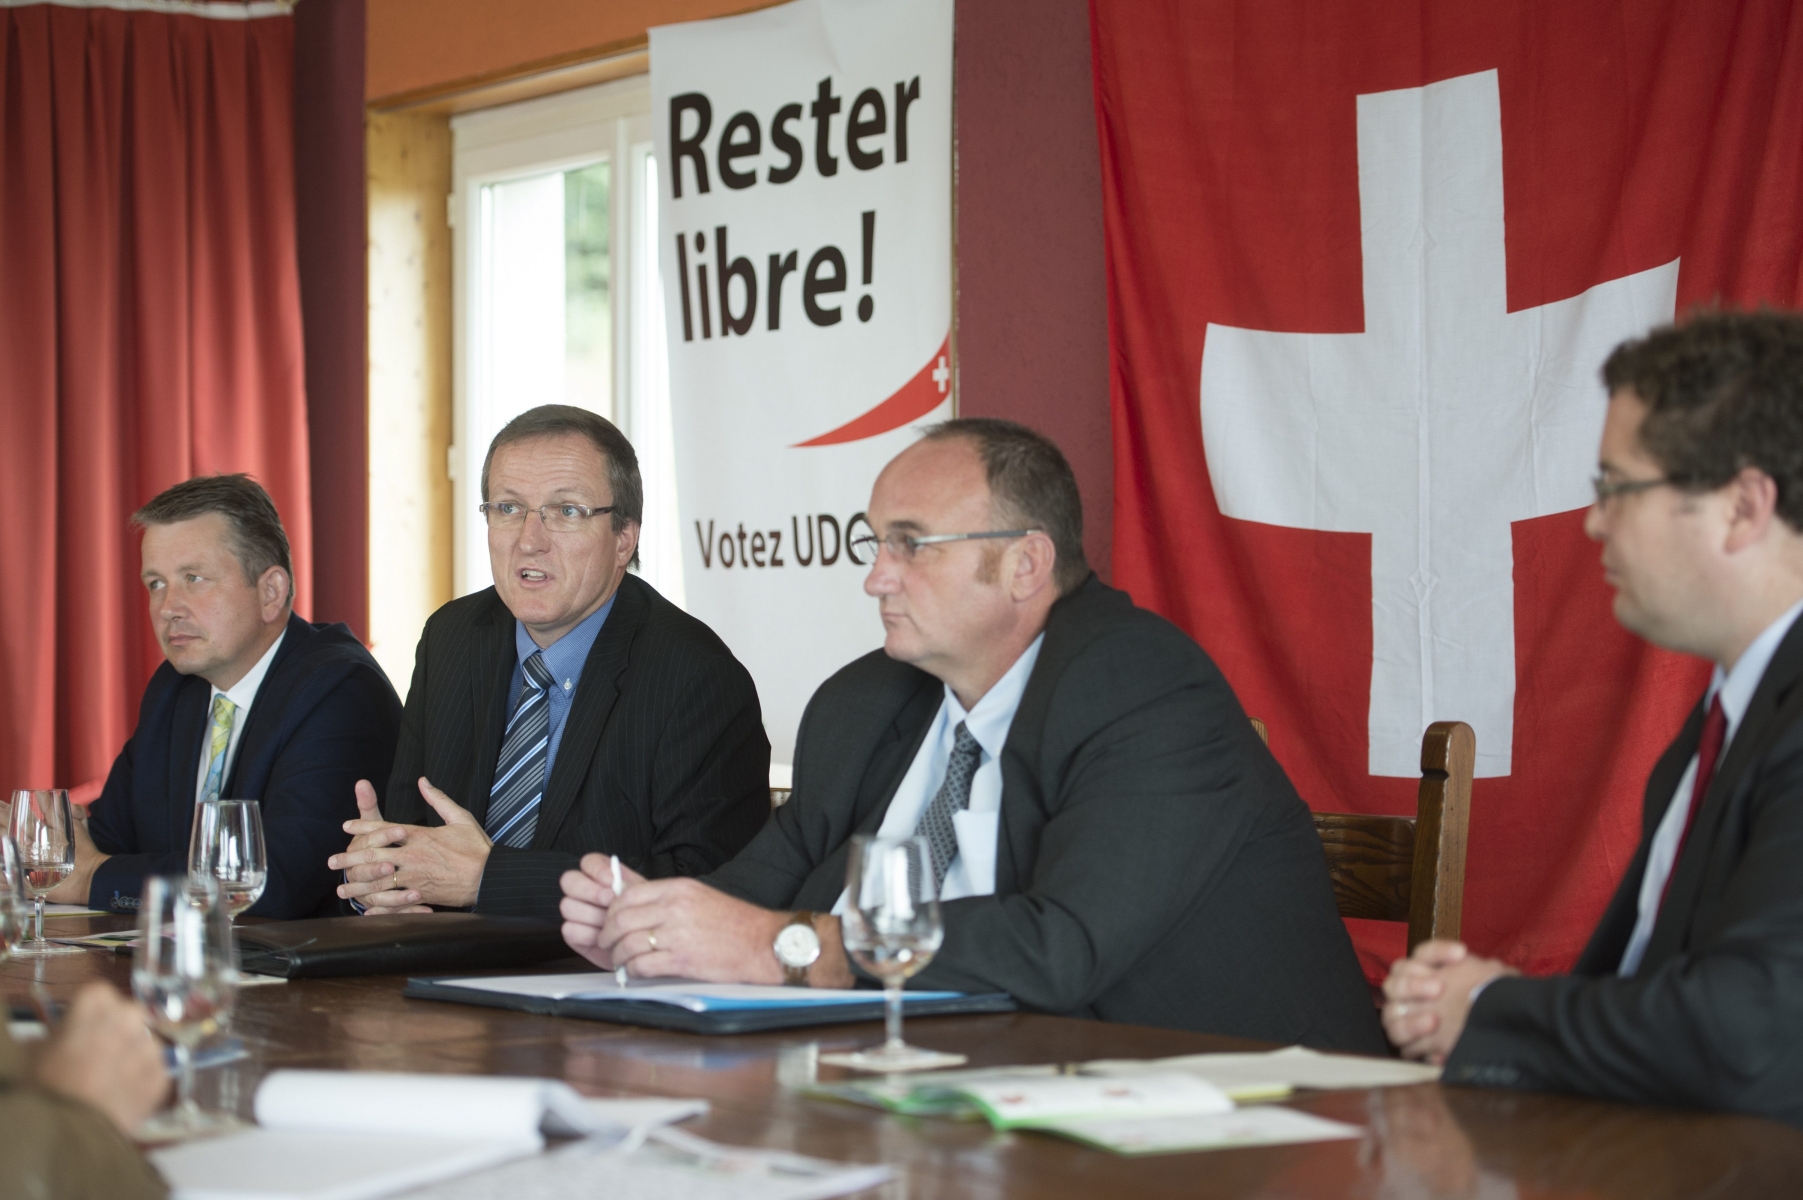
12, 897
185, 975
43, 832
892, 929
226, 845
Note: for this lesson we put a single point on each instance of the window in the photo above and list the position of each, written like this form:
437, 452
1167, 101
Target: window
557, 297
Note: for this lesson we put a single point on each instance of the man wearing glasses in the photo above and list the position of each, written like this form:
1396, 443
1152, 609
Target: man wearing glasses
1690, 992
568, 708
1109, 835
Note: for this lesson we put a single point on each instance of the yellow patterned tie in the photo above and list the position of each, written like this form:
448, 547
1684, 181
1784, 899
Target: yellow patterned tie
217, 741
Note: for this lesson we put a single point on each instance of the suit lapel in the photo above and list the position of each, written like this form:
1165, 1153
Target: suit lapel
493, 659
1767, 716
1602, 955
188, 728
267, 708
596, 694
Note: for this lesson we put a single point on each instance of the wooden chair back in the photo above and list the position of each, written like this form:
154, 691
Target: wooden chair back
1408, 868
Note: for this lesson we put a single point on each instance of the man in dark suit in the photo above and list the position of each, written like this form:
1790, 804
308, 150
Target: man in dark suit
1691, 989
254, 703
1111, 838
568, 708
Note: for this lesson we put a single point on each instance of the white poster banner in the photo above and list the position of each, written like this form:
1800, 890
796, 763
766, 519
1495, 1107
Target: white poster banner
804, 216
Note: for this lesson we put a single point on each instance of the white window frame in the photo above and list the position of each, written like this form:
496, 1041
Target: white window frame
609, 121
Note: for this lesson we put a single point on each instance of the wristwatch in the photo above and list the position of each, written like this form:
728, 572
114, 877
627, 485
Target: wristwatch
797, 947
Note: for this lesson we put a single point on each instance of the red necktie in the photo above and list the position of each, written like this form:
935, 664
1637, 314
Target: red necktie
1709, 748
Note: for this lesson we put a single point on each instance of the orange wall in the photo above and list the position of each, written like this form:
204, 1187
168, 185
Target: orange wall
416, 44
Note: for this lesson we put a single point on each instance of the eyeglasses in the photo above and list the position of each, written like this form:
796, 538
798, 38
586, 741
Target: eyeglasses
903, 546
1607, 490
558, 518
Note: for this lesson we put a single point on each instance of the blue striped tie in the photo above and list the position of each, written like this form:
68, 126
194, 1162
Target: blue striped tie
520, 775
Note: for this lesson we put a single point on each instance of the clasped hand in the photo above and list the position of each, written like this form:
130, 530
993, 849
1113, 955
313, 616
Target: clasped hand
1428, 996
392, 868
667, 926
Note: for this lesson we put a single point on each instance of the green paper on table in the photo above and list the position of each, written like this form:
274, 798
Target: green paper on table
1154, 1106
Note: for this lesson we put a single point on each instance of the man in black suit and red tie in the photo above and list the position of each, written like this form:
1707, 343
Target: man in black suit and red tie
1691, 989
568, 708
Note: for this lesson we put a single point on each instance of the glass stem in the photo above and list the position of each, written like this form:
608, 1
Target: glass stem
184, 1085
892, 1015
39, 939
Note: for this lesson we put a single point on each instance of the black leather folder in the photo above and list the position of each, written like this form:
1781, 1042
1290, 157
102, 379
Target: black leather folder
669, 1016
396, 945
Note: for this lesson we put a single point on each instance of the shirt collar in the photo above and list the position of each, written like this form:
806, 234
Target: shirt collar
243, 693
1736, 687
988, 722
565, 656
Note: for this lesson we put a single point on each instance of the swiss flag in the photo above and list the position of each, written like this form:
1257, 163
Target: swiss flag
1364, 262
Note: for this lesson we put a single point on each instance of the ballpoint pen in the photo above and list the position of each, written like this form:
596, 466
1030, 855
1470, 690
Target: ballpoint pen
619, 886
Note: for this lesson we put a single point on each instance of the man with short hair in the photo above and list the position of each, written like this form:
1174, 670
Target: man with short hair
567, 708
1691, 989
254, 703
1111, 838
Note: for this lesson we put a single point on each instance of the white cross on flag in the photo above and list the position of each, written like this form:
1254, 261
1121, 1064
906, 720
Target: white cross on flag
1365, 263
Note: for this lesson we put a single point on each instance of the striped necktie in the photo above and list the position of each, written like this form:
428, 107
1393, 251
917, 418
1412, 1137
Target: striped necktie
520, 775
936, 823
219, 738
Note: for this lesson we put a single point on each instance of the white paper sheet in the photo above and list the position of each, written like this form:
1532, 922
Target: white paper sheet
1261, 1125
1277, 1071
270, 1164
673, 1166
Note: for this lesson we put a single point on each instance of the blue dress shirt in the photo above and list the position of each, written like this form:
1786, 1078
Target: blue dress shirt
564, 657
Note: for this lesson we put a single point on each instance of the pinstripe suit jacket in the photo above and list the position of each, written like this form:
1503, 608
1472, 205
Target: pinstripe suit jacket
663, 760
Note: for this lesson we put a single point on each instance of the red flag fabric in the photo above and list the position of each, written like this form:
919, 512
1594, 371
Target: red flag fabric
149, 331
1364, 262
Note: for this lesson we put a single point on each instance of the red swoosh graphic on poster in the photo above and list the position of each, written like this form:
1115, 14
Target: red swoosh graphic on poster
913, 400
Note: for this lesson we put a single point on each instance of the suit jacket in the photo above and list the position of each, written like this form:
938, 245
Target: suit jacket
1714, 1016
1153, 863
51, 1145
663, 760
325, 717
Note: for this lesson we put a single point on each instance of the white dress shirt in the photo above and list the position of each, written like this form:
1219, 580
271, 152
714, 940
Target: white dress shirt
972, 872
242, 694
1736, 689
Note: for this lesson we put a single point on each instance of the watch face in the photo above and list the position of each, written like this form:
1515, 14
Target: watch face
797, 945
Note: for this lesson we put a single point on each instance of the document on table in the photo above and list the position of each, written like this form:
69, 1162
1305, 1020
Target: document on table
683, 993
671, 1165
1260, 1125
1142, 1113
73, 910
319, 1138
1274, 1073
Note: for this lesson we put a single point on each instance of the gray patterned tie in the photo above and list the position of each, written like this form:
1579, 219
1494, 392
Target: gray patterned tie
954, 797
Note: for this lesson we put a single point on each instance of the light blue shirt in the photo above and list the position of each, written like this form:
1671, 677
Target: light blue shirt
564, 658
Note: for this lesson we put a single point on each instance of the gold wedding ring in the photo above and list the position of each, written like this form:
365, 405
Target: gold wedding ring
651, 938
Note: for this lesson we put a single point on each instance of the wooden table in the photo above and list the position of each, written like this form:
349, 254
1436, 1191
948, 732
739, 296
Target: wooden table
1423, 1141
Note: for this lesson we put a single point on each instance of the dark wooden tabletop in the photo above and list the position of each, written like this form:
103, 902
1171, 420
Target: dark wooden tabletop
1422, 1141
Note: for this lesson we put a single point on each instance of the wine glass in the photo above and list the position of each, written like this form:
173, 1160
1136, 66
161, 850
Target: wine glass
12, 896
226, 844
43, 833
892, 929
184, 974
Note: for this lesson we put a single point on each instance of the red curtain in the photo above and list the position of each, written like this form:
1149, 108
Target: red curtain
150, 331
1632, 134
